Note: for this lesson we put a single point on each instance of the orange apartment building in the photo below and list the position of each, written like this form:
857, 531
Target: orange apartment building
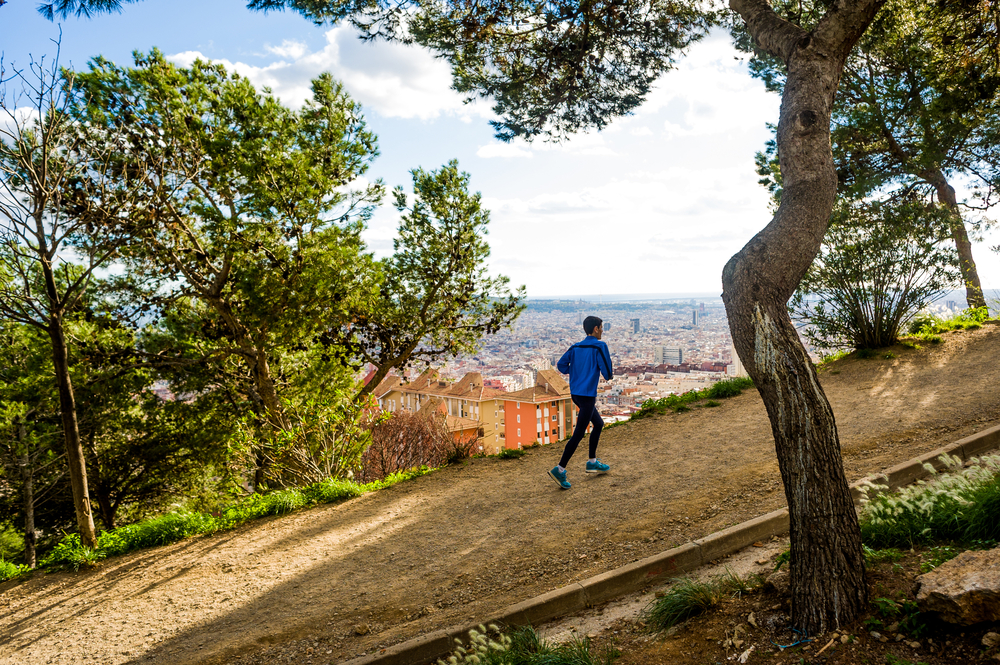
544, 413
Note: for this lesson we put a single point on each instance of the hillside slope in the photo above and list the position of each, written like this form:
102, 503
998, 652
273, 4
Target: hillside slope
330, 583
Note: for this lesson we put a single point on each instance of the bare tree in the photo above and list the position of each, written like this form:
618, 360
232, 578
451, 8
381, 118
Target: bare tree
57, 181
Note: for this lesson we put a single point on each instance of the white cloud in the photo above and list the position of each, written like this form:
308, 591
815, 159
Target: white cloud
391, 79
289, 49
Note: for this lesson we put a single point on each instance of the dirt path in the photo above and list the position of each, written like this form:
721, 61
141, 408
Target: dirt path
333, 582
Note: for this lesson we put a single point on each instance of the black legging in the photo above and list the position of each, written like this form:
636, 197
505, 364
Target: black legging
588, 415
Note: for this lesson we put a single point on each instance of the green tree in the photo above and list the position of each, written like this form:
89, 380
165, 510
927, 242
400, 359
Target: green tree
552, 68
56, 180
258, 219
141, 449
913, 114
880, 264
437, 299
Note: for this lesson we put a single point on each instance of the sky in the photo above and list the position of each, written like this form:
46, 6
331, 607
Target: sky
655, 203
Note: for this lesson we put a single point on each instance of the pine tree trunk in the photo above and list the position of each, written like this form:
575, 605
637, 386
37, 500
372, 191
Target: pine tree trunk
827, 568
27, 496
970, 275
71, 435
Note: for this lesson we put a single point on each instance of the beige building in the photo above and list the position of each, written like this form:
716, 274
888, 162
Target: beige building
463, 401
543, 413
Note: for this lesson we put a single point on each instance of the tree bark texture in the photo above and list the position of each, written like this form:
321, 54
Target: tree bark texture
827, 568
27, 495
71, 435
970, 274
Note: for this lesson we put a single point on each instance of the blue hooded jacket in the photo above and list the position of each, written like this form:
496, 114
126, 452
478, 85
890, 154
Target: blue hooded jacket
585, 362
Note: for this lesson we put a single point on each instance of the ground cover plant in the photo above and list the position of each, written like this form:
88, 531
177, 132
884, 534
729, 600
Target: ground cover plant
906, 534
679, 403
927, 326
522, 646
962, 506
172, 527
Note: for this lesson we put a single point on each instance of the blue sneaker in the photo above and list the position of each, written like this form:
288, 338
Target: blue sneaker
597, 466
559, 477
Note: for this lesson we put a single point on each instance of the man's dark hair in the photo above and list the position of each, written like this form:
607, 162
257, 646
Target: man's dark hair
590, 323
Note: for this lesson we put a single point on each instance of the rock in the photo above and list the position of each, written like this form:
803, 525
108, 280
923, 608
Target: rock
844, 638
778, 582
876, 635
752, 620
762, 562
914, 644
965, 590
362, 629
990, 640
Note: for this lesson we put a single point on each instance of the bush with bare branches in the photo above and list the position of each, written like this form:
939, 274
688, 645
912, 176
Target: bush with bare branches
407, 440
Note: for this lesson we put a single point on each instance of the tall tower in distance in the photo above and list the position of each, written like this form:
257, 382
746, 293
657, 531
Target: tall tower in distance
635, 325
694, 317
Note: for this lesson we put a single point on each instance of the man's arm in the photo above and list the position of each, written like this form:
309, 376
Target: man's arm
605, 362
563, 364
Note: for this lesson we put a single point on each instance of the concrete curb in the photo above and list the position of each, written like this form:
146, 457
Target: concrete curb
661, 567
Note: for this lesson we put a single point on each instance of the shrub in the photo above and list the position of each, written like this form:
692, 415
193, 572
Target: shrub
511, 453
958, 506
10, 570
406, 440
680, 403
729, 387
880, 264
522, 646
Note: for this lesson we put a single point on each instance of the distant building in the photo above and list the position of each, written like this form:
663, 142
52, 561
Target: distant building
635, 325
694, 317
607, 327
668, 355
736, 368
543, 413
701, 307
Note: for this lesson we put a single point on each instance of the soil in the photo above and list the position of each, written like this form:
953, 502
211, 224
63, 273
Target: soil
330, 583
754, 629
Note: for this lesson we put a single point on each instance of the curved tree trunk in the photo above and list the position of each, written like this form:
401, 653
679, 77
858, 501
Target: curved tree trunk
827, 568
970, 275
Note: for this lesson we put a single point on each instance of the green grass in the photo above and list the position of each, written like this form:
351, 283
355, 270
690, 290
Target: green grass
680, 403
830, 358
689, 598
172, 527
927, 325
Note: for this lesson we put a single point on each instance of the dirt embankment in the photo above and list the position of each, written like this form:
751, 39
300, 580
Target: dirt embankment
333, 582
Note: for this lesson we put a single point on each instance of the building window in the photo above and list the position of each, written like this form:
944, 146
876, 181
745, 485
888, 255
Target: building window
519, 419
553, 417
518, 431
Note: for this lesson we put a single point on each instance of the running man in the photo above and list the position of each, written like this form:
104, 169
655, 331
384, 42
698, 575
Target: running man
585, 362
